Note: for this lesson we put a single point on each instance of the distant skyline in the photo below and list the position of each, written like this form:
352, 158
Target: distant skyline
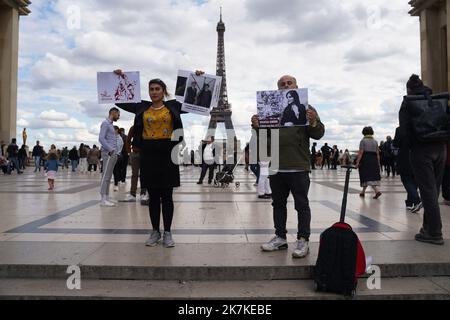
354, 57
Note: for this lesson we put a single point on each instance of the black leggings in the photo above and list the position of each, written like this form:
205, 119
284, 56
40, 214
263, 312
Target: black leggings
158, 196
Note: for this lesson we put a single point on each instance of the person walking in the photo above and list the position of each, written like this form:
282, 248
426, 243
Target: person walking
124, 157
93, 158
292, 176
117, 172
83, 158
23, 157
313, 156
389, 157
326, 152
135, 157
368, 163
427, 160
412, 202
36, 154
13, 154
51, 168
334, 157
208, 160
74, 157
64, 158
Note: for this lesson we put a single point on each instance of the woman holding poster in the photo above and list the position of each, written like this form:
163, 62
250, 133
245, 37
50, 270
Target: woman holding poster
295, 112
154, 124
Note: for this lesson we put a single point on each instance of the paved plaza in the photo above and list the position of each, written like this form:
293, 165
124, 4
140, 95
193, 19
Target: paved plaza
217, 231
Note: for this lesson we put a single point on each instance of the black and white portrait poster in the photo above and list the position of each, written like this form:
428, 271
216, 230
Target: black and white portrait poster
198, 94
282, 108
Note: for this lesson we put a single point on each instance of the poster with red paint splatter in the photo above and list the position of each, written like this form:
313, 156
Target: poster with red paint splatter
113, 88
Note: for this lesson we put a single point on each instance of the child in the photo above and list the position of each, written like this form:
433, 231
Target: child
51, 167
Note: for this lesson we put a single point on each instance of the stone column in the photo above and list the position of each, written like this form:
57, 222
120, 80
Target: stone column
431, 49
448, 44
9, 45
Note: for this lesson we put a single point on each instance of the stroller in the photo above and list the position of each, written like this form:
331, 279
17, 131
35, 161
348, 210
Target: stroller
226, 176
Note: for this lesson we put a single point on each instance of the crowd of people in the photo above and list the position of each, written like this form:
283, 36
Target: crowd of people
423, 165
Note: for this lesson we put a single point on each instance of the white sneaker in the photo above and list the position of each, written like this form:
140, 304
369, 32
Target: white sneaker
130, 198
301, 249
144, 197
155, 237
417, 207
113, 200
116, 188
276, 243
106, 203
167, 240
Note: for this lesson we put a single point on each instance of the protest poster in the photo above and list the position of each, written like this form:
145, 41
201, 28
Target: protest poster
113, 88
282, 108
198, 94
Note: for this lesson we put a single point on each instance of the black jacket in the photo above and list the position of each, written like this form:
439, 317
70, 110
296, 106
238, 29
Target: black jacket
405, 130
139, 108
289, 116
403, 160
73, 155
36, 151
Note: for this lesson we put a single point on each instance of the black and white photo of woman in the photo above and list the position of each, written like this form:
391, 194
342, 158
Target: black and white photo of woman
295, 112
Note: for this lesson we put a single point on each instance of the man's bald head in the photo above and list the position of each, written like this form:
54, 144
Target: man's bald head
287, 82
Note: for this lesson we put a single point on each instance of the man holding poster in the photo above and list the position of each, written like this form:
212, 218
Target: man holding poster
292, 174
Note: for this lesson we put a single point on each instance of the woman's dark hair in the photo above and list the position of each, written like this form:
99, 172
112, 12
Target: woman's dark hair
52, 156
161, 84
414, 82
367, 131
294, 94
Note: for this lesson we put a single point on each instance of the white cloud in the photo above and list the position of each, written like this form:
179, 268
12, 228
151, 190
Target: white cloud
354, 56
22, 123
52, 115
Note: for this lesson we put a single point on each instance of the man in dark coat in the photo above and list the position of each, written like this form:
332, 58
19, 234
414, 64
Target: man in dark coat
191, 94
428, 162
205, 97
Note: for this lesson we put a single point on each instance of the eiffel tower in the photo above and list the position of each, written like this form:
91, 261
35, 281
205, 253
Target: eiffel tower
222, 113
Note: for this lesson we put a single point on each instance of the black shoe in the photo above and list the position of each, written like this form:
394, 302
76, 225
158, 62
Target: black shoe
417, 207
209, 182
269, 196
264, 196
199, 182
428, 239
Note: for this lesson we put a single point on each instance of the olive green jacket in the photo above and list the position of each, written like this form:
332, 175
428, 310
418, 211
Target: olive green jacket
294, 147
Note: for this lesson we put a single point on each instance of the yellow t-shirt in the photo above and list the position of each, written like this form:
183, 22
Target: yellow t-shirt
158, 124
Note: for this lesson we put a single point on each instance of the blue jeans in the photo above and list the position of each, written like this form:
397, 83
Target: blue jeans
64, 162
15, 161
74, 165
255, 170
37, 163
411, 188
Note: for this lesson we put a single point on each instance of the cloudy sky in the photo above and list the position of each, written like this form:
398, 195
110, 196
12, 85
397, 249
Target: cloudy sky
354, 56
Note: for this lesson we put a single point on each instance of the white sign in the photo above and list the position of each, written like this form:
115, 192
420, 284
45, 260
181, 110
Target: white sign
282, 108
113, 88
198, 94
